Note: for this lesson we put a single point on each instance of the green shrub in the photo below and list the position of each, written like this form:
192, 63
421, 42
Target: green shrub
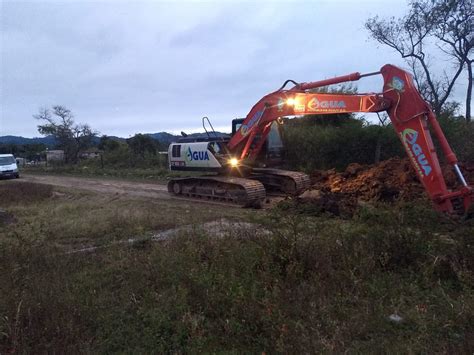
316, 146
328, 143
460, 136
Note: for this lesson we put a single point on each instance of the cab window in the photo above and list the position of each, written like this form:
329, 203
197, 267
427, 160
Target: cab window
214, 147
176, 151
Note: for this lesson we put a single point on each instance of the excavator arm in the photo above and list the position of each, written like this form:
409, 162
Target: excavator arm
411, 117
291, 103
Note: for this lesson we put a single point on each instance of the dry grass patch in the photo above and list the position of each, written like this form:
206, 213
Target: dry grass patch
14, 192
71, 218
307, 285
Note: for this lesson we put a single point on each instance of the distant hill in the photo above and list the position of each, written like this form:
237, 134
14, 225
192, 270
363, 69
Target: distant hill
162, 137
168, 138
48, 140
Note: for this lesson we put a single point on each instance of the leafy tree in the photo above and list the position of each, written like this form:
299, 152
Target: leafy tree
449, 22
455, 29
9, 148
70, 136
118, 156
108, 144
28, 151
141, 144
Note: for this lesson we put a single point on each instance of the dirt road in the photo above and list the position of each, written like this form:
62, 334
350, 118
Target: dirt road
152, 190
117, 187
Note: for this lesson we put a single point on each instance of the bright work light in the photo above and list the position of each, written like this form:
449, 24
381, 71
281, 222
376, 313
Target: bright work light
234, 162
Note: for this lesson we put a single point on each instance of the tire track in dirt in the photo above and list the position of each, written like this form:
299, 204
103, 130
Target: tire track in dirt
114, 187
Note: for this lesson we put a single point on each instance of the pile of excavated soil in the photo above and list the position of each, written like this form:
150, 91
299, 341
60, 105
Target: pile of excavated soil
340, 193
387, 181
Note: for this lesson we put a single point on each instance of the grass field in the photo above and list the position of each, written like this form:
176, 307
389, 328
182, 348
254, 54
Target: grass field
93, 170
389, 279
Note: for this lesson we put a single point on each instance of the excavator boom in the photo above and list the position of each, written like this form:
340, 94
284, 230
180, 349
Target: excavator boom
411, 117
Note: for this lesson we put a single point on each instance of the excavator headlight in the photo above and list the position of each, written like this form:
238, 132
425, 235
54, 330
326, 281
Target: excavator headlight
234, 162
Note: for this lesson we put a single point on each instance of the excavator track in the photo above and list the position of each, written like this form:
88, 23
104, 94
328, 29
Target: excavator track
289, 182
234, 190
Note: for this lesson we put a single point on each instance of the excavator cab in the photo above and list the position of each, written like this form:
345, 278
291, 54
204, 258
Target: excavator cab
236, 123
272, 151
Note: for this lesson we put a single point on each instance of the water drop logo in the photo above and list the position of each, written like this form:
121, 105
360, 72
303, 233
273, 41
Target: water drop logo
397, 84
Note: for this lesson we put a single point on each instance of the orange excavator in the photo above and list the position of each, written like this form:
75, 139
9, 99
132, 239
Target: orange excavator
239, 179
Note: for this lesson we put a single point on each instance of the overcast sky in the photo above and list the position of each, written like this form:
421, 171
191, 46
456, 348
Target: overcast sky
127, 67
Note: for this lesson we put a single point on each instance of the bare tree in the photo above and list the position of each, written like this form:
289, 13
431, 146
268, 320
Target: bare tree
409, 36
71, 137
455, 29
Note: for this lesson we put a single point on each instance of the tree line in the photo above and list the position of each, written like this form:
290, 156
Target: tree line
76, 138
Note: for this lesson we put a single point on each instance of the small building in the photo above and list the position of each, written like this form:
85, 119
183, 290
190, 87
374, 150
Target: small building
20, 161
54, 155
90, 154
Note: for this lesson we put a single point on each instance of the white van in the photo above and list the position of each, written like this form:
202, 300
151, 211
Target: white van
8, 167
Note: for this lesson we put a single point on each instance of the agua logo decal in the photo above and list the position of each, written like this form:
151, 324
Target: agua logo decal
397, 84
315, 104
196, 155
409, 138
299, 108
244, 129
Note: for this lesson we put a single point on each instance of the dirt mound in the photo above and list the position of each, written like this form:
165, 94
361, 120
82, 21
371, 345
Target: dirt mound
388, 181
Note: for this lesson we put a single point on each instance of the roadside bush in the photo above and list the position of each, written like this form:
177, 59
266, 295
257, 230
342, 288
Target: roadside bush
460, 135
116, 160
